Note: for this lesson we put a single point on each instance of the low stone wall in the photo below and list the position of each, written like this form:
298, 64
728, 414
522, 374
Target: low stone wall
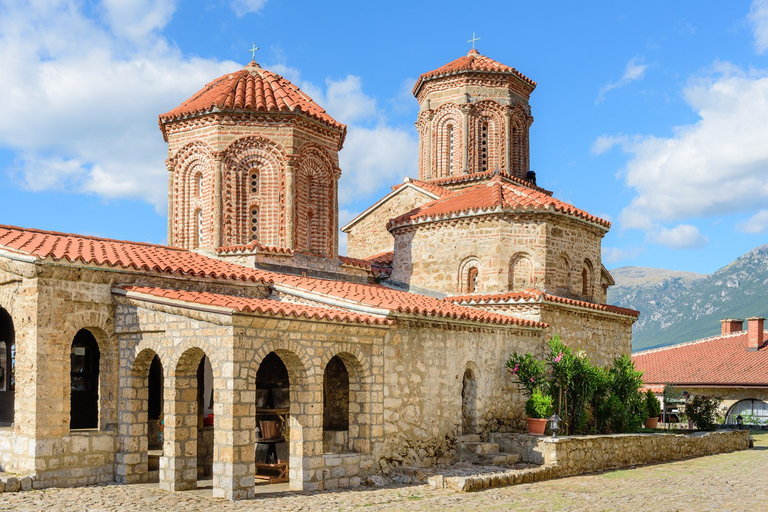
575, 455
344, 470
81, 458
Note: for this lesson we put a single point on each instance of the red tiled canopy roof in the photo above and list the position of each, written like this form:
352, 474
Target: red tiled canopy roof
720, 360
118, 253
251, 305
539, 296
252, 89
472, 62
498, 194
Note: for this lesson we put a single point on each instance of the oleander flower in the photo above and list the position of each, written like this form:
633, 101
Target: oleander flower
559, 357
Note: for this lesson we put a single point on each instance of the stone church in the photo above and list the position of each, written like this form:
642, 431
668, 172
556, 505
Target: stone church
249, 348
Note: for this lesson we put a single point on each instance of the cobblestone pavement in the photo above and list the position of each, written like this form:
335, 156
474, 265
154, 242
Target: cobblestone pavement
734, 481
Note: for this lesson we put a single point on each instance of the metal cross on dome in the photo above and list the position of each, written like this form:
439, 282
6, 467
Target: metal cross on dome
473, 40
253, 49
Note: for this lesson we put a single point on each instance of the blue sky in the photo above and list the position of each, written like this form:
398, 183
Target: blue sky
653, 114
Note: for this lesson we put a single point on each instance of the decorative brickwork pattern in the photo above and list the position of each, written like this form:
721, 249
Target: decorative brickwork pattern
193, 193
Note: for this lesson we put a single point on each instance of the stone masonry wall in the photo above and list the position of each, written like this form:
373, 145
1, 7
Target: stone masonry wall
369, 236
425, 367
575, 455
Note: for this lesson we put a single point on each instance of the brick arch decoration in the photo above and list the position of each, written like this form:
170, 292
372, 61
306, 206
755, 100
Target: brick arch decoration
315, 209
240, 157
490, 114
520, 272
447, 158
133, 430
192, 160
563, 278
519, 139
464, 276
360, 386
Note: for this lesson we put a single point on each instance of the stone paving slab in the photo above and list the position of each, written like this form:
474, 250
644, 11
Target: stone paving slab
732, 482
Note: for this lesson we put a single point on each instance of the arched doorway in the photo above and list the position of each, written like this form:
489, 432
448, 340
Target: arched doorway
335, 407
272, 413
204, 419
84, 381
155, 417
752, 411
469, 403
7, 368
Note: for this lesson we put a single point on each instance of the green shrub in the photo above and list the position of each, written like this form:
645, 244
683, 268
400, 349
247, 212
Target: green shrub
652, 404
539, 405
703, 411
530, 373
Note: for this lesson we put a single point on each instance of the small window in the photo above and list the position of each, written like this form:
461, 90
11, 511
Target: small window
199, 228
199, 184
254, 223
472, 280
484, 147
450, 149
254, 182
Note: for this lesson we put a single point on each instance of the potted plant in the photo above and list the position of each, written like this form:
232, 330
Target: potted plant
652, 408
538, 409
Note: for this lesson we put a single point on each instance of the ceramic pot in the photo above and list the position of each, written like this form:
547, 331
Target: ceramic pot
651, 422
536, 426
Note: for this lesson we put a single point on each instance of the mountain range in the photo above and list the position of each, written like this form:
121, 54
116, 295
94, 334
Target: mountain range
676, 306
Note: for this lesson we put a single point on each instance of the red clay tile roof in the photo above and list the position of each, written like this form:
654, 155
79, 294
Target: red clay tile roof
355, 262
424, 185
397, 301
383, 259
253, 247
117, 253
719, 360
487, 175
531, 295
497, 195
473, 62
251, 305
655, 388
252, 89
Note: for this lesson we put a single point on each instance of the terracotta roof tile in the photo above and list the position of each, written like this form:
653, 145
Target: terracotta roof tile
397, 301
253, 247
428, 186
538, 296
484, 176
252, 305
473, 62
498, 194
384, 259
252, 89
118, 253
719, 360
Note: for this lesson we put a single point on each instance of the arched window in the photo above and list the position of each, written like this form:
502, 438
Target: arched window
7, 368
84, 381
564, 274
472, 280
484, 146
336, 395
469, 271
450, 150
199, 182
751, 410
469, 403
254, 223
586, 279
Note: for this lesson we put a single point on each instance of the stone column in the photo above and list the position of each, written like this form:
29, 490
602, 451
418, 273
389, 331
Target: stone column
131, 460
217, 199
178, 465
234, 435
306, 460
170, 166
291, 169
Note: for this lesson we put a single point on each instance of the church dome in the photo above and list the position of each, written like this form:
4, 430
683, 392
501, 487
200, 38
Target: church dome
472, 62
252, 89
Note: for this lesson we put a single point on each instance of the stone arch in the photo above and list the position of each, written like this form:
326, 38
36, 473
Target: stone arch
587, 279
447, 154
469, 275
192, 161
470, 399
357, 436
7, 368
563, 278
240, 158
315, 194
85, 376
488, 134
520, 272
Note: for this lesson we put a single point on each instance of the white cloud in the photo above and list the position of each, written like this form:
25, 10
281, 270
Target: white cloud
243, 7
635, 70
137, 19
615, 254
716, 166
758, 18
756, 224
682, 236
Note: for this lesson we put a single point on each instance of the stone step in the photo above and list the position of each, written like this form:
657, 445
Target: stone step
478, 448
497, 459
469, 438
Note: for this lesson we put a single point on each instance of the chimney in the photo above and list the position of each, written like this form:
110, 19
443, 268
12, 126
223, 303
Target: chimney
731, 325
754, 332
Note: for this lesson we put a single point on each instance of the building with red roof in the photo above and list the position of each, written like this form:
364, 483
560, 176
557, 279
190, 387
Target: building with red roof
249, 347
733, 365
